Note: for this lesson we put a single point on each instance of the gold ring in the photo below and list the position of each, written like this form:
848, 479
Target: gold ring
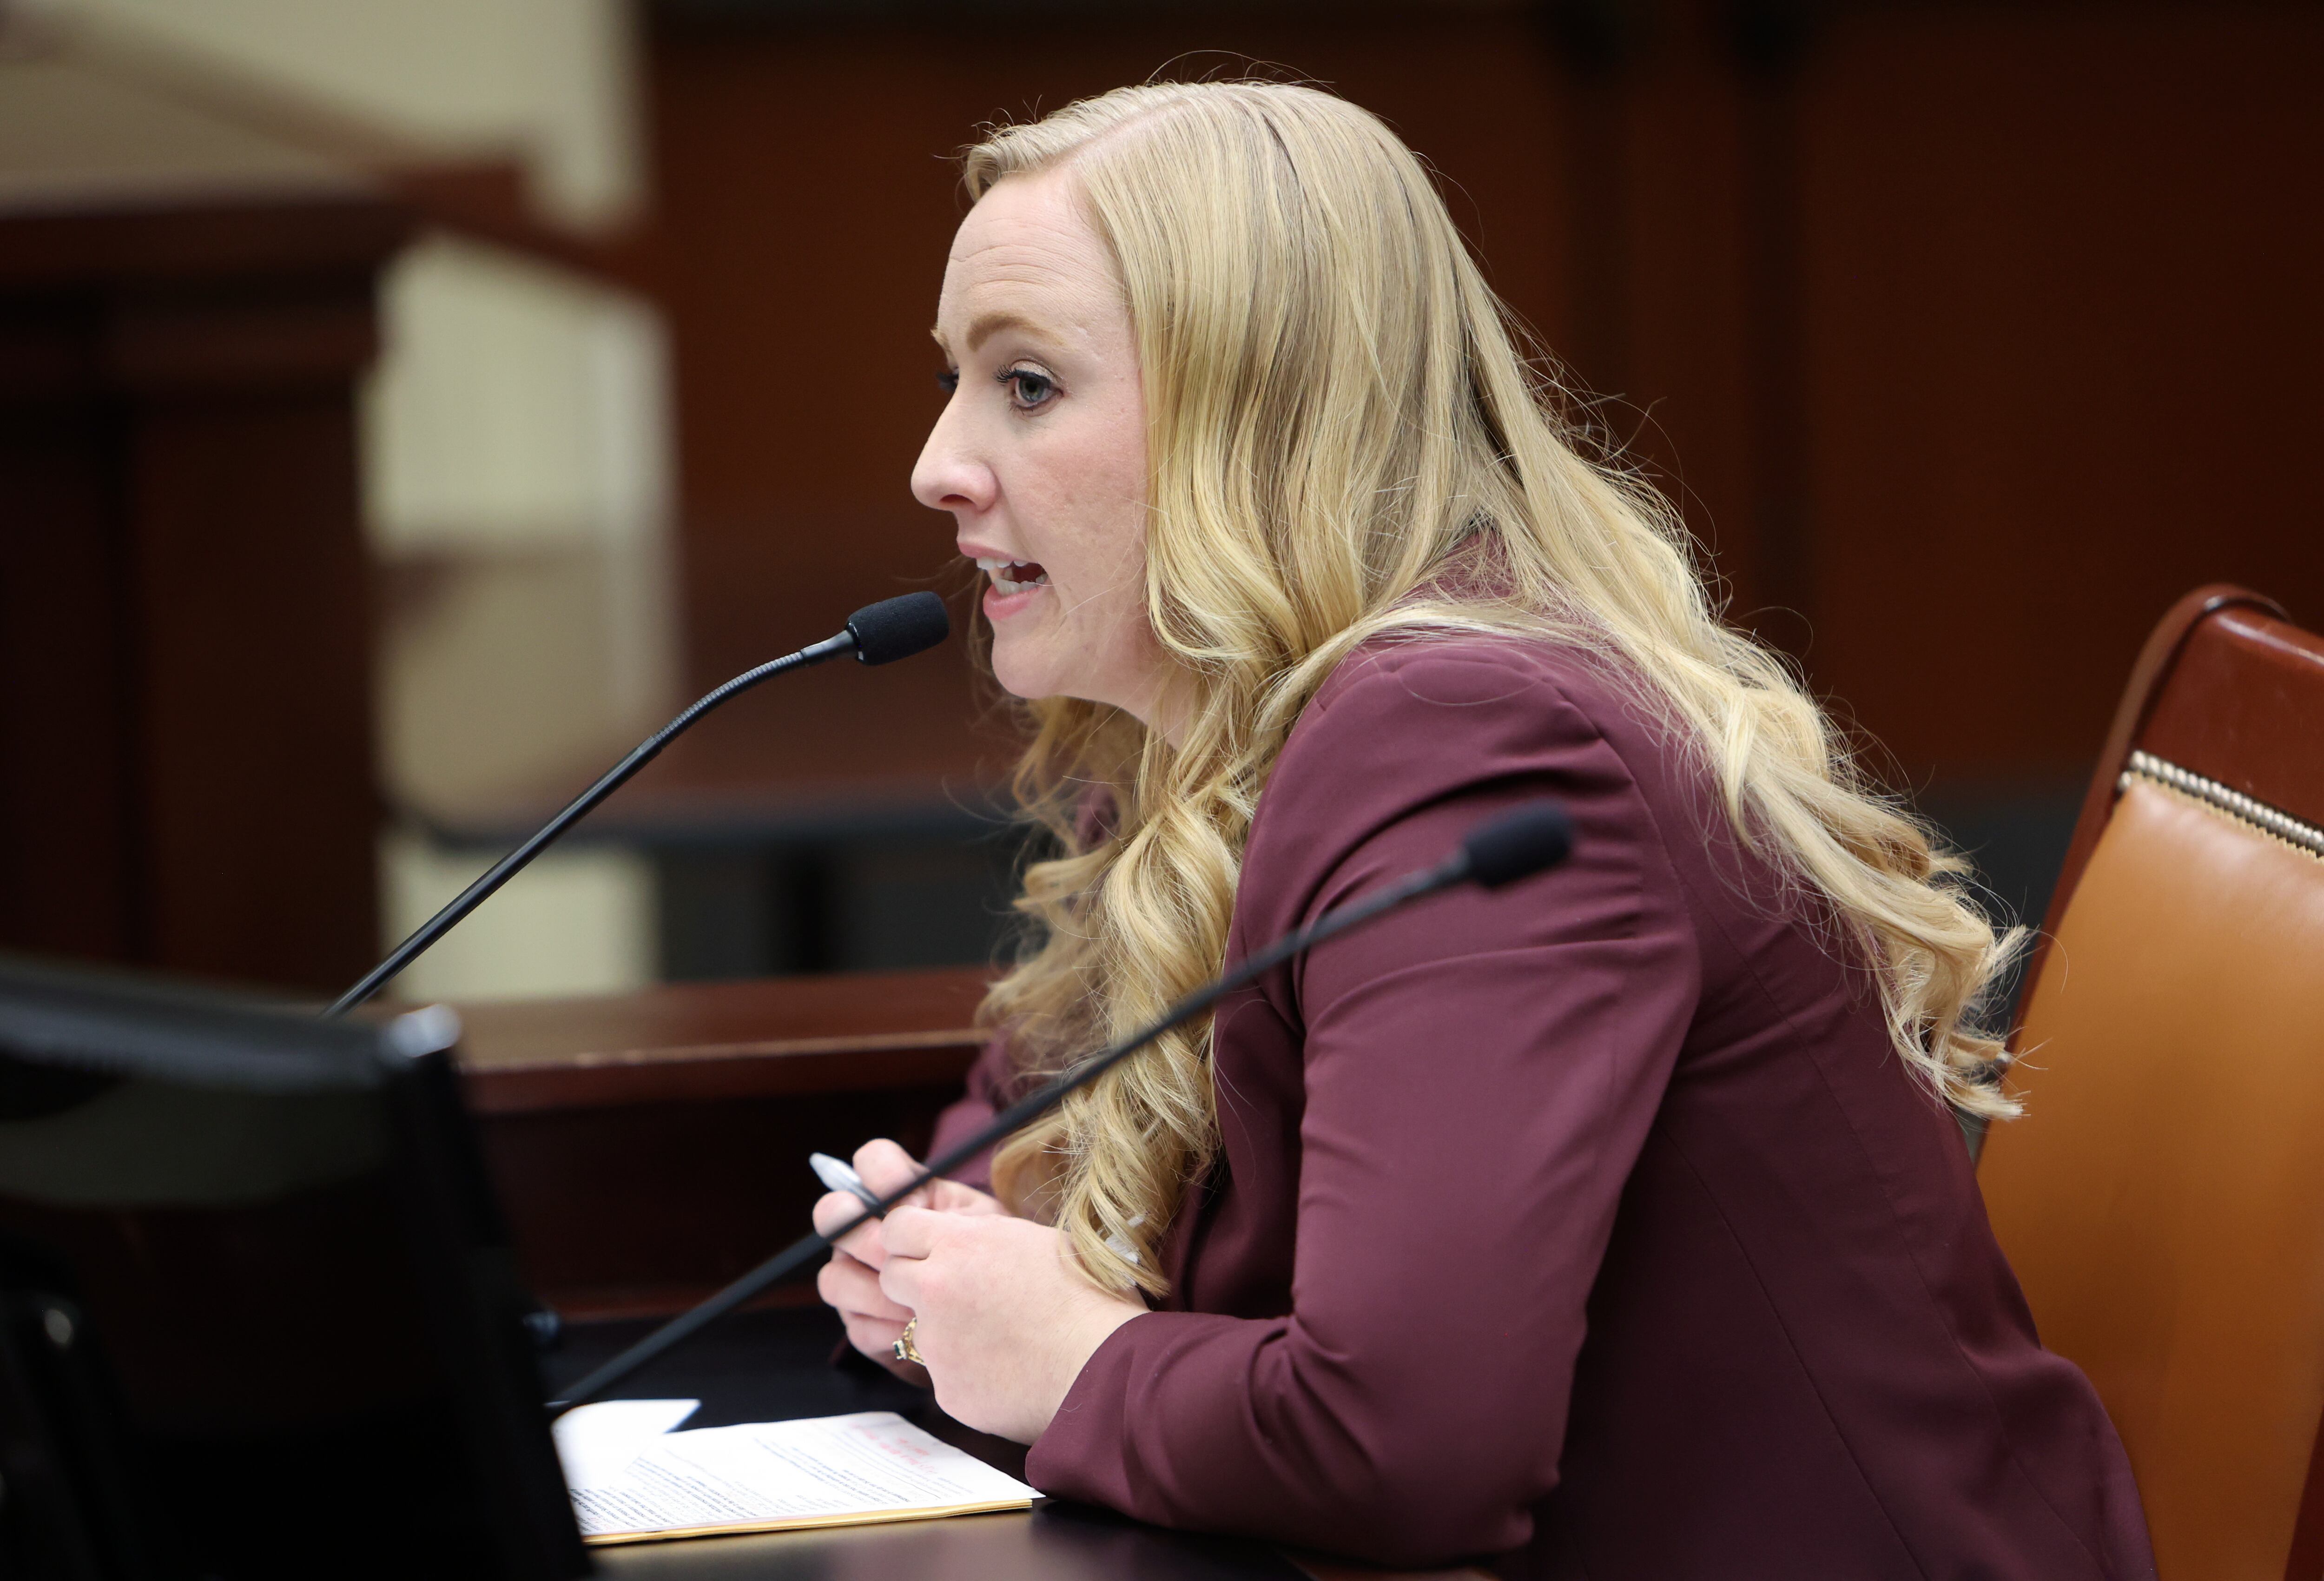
905, 1350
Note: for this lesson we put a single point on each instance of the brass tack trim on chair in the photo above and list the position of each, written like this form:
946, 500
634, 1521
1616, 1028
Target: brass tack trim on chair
2271, 820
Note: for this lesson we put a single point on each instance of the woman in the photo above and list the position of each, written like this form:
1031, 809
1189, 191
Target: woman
1618, 1218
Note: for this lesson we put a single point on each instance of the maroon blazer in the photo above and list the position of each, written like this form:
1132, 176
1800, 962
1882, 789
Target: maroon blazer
1595, 1219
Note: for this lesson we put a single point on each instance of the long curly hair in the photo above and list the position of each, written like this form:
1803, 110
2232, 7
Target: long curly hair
1338, 419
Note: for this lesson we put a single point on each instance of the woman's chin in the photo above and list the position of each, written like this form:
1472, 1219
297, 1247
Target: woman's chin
1023, 676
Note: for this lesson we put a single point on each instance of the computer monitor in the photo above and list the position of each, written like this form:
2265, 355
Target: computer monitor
259, 1315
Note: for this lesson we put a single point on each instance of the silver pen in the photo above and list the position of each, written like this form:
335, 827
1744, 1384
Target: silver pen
836, 1174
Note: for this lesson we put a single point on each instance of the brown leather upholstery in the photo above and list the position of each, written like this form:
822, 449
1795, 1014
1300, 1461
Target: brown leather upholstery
2162, 1201
2241, 706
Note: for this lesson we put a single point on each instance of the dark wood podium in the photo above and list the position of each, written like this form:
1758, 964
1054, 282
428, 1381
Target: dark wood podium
185, 713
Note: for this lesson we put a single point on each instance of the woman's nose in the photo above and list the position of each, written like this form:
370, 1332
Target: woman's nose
949, 475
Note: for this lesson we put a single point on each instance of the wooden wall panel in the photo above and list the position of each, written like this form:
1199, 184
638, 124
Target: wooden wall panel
807, 200
1676, 354
2062, 343
1967, 337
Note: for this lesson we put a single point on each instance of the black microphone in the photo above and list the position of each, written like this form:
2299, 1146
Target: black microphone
878, 634
1514, 845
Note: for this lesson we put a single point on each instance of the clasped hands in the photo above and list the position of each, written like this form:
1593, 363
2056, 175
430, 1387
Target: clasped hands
1007, 1319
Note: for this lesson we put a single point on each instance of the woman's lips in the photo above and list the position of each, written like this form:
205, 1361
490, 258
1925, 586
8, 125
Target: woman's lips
1000, 606
1015, 583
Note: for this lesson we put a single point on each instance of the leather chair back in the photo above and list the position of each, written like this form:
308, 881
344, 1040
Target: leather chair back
2162, 1198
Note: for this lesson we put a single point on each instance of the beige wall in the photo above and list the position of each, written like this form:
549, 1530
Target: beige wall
518, 493
551, 81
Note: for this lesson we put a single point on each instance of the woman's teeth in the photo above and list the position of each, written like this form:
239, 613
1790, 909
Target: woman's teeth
1014, 576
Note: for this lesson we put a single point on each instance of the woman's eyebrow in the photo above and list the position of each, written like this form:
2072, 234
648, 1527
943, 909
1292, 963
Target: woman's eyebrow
992, 323
984, 330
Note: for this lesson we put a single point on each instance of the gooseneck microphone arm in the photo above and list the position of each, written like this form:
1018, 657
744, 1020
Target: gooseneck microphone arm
1513, 846
878, 634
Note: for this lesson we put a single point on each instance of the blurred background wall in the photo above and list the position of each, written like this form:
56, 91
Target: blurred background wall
1967, 335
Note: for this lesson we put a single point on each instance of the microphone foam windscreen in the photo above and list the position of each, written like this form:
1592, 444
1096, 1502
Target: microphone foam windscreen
897, 628
1518, 845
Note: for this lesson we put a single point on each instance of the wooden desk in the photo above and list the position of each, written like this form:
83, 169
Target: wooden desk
650, 1147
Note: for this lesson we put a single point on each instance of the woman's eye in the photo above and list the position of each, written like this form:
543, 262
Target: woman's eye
948, 381
1028, 389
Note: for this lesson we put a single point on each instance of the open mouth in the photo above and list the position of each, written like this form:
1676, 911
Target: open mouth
1014, 576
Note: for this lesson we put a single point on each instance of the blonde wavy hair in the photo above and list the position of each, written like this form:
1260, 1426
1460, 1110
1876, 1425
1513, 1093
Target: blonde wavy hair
1338, 420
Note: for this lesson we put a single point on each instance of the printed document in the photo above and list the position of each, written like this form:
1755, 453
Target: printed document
634, 1480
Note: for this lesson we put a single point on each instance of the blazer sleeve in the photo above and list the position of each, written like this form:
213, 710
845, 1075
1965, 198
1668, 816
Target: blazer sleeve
1480, 1071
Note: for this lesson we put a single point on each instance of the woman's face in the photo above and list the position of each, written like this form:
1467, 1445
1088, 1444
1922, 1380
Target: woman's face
1040, 452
